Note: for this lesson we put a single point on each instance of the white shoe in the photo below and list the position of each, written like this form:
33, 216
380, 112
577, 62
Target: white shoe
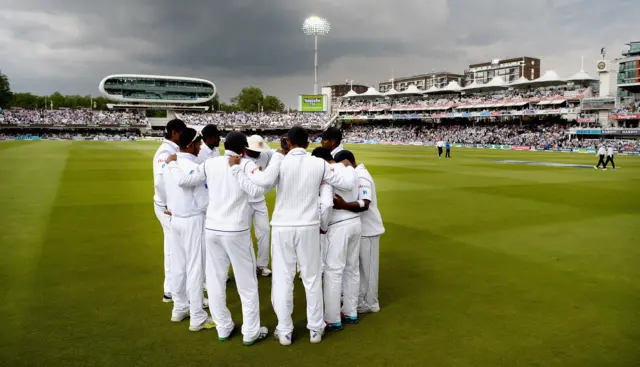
206, 324
205, 303
265, 272
179, 317
604, 169
315, 336
595, 167
262, 334
166, 298
284, 339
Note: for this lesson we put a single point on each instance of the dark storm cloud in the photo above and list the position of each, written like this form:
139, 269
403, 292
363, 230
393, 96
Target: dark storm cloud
71, 44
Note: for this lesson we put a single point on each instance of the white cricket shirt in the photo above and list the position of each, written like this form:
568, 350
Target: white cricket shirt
371, 219
440, 144
602, 151
184, 202
262, 162
338, 149
298, 187
610, 152
341, 215
206, 153
229, 192
165, 150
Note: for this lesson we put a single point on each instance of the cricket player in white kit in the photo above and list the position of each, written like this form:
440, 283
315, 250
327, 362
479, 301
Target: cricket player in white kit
187, 206
168, 147
259, 152
341, 250
372, 229
332, 140
228, 240
296, 234
211, 140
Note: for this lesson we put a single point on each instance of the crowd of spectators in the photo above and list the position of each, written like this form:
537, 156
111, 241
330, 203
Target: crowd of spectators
263, 120
67, 117
462, 100
539, 135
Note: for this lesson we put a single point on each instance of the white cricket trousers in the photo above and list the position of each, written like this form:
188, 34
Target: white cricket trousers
186, 267
292, 245
369, 267
165, 222
261, 228
235, 249
341, 269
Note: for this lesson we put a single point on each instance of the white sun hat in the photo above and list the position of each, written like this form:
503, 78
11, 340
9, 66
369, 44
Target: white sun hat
257, 144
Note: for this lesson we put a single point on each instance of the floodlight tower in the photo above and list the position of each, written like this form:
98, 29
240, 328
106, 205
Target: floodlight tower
315, 26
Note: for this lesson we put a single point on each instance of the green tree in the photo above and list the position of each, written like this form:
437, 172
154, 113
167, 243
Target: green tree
272, 104
250, 99
25, 100
5, 91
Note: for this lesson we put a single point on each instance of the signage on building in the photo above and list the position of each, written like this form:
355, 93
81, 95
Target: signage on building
608, 103
625, 116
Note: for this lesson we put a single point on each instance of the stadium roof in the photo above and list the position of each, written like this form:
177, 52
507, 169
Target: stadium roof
550, 77
580, 76
452, 87
412, 90
391, 92
371, 92
433, 89
350, 94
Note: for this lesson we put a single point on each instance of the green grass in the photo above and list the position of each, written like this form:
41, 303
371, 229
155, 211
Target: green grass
483, 264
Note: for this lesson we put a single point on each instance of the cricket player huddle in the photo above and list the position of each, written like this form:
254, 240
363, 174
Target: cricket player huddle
325, 224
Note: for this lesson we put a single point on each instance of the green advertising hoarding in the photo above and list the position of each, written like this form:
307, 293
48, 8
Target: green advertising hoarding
312, 103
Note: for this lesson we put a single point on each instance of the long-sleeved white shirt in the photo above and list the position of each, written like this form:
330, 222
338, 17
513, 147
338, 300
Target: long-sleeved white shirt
298, 187
229, 190
185, 202
262, 162
206, 153
610, 151
325, 205
341, 215
371, 219
338, 149
166, 149
602, 151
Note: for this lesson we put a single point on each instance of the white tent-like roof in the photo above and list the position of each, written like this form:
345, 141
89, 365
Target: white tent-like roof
549, 78
580, 77
432, 89
391, 92
350, 94
473, 85
412, 90
496, 82
452, 87
522, 81
371, 92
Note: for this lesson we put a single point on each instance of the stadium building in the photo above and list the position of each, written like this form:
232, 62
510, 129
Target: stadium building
335, 91
422, 81
509, 69
136, 92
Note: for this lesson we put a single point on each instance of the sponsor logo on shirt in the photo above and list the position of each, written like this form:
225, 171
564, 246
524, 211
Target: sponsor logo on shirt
364, 192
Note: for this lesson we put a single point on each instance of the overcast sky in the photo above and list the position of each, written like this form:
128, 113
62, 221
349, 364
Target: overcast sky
70, 45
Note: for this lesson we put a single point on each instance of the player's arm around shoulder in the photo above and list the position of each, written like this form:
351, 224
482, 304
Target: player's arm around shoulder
242, 170
189, 177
